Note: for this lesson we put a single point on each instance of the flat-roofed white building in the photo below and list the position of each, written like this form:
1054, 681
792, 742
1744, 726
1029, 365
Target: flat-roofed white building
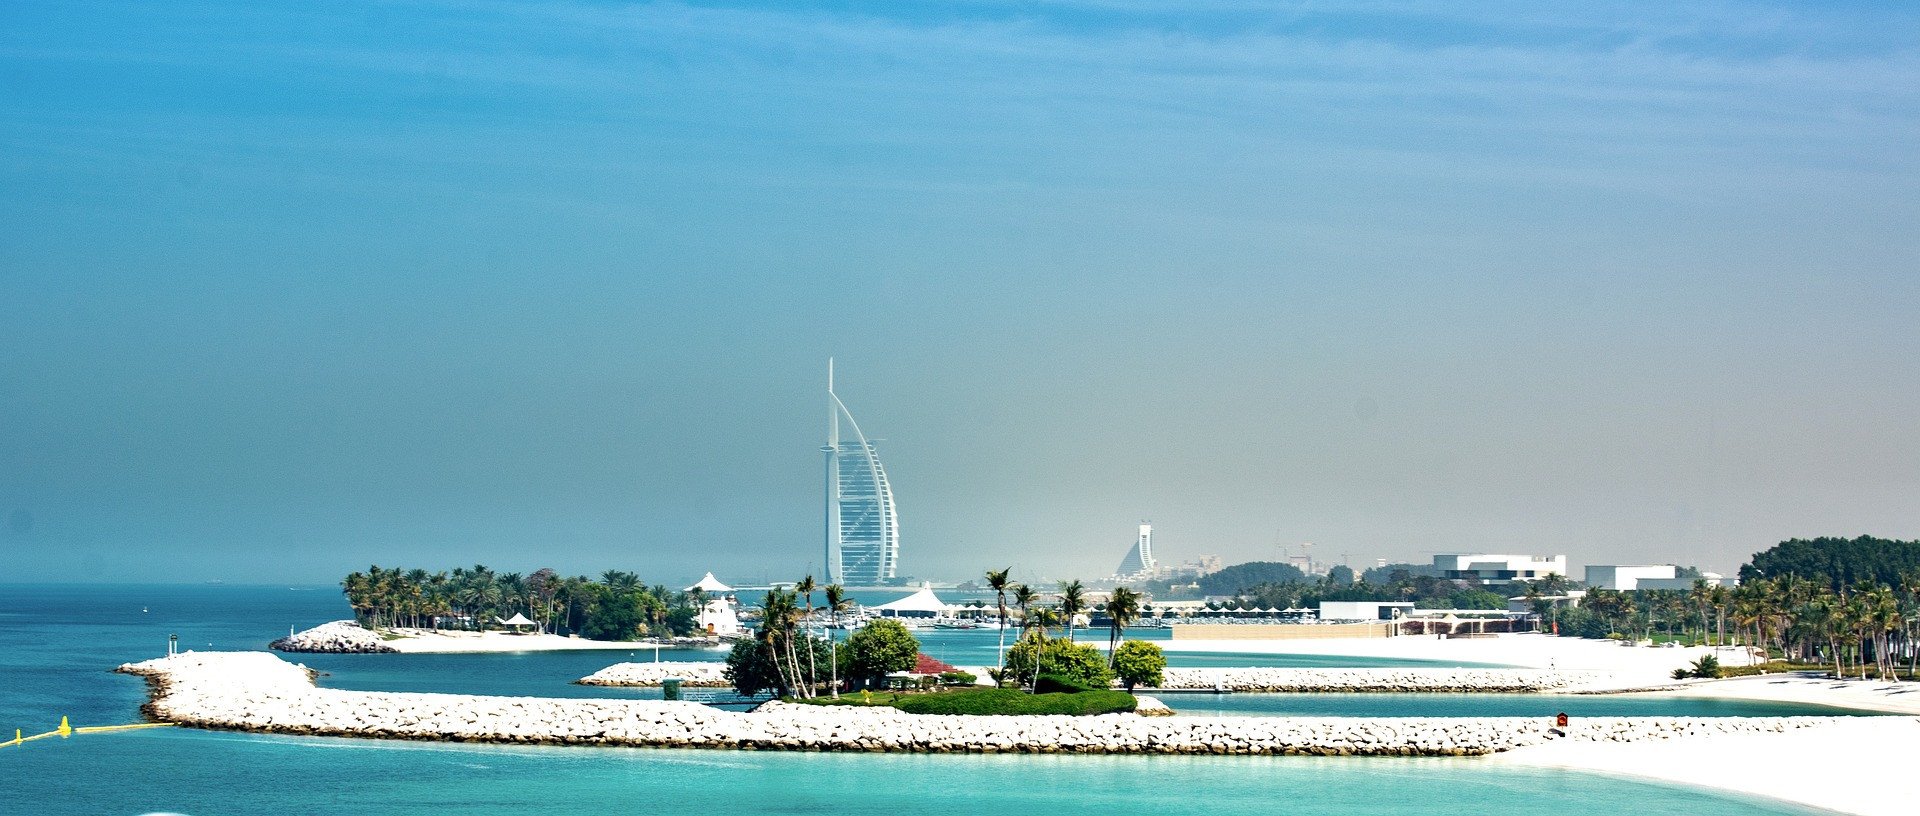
1363, 610
1630, 577
1491, 568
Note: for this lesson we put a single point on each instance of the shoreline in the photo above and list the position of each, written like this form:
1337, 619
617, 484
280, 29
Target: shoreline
349, 637
422, 641
1790, 759
1608, 666
1845, 767
257, 691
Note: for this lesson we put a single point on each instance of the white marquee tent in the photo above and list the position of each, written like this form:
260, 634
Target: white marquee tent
922, 604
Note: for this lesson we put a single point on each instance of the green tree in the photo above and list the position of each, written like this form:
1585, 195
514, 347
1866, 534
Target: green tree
1023, 597
1838, 563
1240, 577
1138, 662
998, 582
881, 647
617, 616
806, 588
836, 601
1073, 601
1123, 608
1036, 654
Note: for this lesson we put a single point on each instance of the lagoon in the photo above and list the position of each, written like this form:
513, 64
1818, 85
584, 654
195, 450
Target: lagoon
58, 643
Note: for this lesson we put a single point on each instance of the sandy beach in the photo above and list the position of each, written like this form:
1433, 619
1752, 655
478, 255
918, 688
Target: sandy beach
422, 641
1625, 667
1857, 766
1849, 766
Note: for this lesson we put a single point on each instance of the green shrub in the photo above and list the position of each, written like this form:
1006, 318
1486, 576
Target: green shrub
990, 702
878, 648
1139, 663
1076, 662
958, 678
1056, 684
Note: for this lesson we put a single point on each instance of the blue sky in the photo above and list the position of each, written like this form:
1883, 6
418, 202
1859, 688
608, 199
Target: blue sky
286, 290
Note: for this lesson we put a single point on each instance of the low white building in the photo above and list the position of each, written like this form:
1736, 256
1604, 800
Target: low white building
1630, 577
1363, 610
719, 616
1489, 568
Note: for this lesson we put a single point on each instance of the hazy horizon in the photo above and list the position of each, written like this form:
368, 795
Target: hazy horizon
286, 291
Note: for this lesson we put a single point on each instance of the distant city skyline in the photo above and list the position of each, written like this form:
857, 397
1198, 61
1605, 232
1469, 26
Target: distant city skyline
288, 290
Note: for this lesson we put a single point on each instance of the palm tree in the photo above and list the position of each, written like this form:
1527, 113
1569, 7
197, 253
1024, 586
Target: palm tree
806, 587
997, 581
1023, 597
1702, 597
836, 600
1073, 601
1123, 607
773, 617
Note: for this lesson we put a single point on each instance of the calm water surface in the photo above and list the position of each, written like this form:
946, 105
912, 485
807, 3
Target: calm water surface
58, 643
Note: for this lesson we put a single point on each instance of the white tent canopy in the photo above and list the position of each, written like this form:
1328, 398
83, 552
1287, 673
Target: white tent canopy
517, 620
920, 604
710, 585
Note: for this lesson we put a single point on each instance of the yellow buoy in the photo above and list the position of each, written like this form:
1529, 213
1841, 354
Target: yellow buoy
64, 730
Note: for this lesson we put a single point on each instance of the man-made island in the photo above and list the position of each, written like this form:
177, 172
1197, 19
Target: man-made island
349, 637
256, 691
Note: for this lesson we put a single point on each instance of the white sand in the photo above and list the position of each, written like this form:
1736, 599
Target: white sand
1860, 766
1857, 766
1627, 667
422, 641
1861, 695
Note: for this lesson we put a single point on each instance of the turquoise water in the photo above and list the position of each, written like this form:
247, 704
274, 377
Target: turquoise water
58, 643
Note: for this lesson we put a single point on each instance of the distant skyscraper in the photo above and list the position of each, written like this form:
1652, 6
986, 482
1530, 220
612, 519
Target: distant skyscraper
862, 528
1139, 564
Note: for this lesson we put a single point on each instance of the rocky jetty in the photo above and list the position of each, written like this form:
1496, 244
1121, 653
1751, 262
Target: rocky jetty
1374, 680
337, 637
256, 691
712, 675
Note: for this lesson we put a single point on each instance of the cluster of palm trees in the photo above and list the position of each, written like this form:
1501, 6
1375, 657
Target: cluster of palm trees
1864, 628
783, 636
474, 598
1123, 609
1869, 623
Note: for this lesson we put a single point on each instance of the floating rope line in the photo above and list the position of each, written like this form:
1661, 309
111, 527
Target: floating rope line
67, 730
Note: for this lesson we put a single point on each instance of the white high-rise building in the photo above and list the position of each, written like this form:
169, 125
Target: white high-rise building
1488, 568
862, 527
1139, 564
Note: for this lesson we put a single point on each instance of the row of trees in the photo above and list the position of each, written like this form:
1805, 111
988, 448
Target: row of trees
1851, 603
785, 658
1036, 653
617, 606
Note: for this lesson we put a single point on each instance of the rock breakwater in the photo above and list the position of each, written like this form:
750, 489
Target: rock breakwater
712, 675
256, 691
337, 637
1375, 680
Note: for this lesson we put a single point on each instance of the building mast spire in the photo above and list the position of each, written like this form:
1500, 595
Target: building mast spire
832, 450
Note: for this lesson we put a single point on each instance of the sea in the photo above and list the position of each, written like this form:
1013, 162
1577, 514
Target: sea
59, 643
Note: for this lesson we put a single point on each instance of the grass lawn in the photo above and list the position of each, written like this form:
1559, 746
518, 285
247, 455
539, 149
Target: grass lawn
988, 701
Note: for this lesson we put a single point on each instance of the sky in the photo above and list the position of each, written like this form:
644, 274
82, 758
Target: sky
287, 289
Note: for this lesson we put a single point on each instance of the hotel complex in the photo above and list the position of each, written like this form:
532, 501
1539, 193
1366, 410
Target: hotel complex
1487, 569
862, 528
1139, 564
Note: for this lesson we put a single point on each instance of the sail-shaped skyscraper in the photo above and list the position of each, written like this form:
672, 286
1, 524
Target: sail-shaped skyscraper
1139, 564
862, 528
